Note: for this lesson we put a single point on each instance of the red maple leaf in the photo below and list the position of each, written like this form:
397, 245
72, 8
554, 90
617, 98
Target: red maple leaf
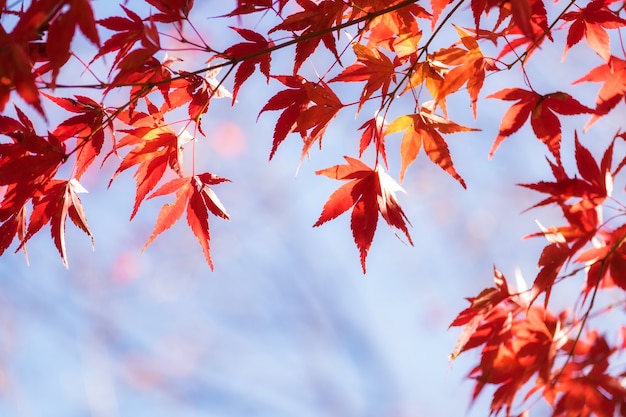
525, 349
606, 260
129, 31
583, 226
480, 307
438, 7
529, 22
308, 109
567, 241
193, 194
308, 22
484, 6
249, 54
552, 259
31, 160
294, 101
195, 90
172, 11
61, 30
13, 216
59, 19
592, 189
528, 17
147, 76
254, 6
591, 22
16, 70
541, 109
25, 164
369, 192
87, 127
373, 133
613, 74
585, 388
425, 129
53, 203
323, 107
518, 342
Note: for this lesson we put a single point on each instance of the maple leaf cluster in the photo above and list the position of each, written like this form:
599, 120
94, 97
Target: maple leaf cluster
524, 344
148, 108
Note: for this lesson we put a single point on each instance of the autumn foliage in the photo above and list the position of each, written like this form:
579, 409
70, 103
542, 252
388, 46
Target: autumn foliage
142, 112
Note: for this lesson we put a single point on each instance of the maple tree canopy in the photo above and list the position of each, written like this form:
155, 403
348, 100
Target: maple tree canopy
146, 106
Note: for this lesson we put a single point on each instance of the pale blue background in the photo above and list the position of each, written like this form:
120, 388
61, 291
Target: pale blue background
287, 325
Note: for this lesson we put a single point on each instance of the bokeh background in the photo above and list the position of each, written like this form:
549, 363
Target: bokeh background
287, 324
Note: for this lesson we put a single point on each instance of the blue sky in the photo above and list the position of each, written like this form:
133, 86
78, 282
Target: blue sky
287, 324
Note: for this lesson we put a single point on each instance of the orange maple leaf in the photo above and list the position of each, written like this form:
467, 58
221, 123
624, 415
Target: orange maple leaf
425, 129
469, 68
430, 73
395, 30
372, 66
